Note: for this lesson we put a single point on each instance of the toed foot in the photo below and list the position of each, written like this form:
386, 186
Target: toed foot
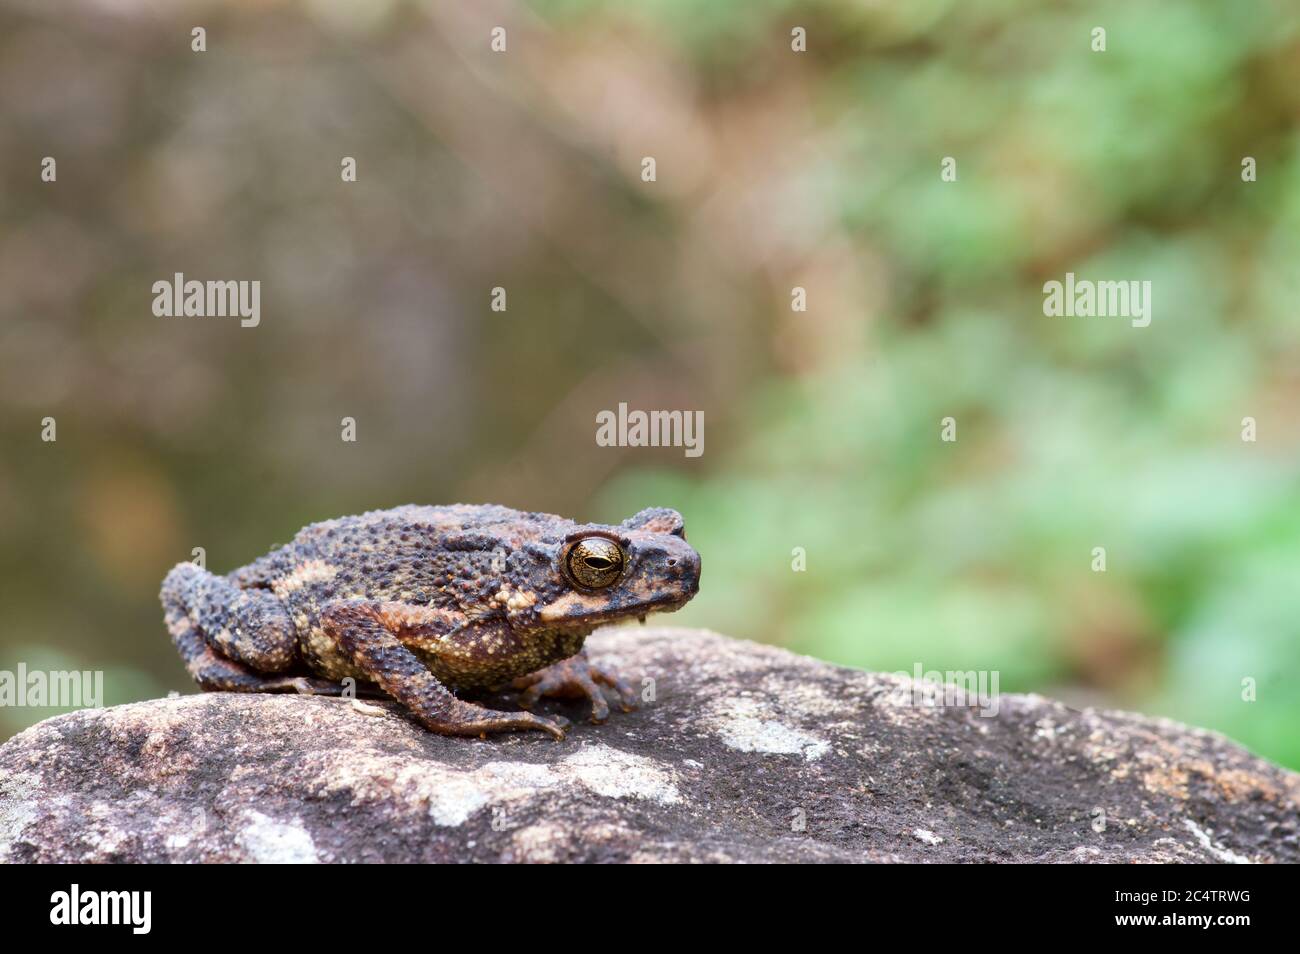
468, 719
576, 678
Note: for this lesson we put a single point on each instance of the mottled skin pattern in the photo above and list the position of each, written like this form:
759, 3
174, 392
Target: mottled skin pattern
417, 601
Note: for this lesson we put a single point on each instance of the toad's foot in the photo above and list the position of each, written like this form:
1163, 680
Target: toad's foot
469, 719
576, 678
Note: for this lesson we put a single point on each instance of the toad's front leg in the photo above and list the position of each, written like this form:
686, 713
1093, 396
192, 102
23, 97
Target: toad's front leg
576, 678
358, 629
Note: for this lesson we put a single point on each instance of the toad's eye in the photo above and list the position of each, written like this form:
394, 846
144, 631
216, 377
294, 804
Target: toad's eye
594, 563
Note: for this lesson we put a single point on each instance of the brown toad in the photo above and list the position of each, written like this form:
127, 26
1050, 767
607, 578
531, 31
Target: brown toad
417, 601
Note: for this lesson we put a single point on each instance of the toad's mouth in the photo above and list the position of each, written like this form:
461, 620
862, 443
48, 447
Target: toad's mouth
581, 610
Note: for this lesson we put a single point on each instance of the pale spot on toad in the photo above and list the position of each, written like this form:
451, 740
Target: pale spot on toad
312, 571
571, 604
514, 600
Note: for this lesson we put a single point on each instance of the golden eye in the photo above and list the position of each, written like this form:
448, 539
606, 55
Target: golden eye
594, 563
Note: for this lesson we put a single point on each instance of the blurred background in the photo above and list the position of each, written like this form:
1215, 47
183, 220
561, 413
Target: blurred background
775, 169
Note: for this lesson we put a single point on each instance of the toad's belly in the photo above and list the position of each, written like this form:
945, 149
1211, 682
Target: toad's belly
475, 666
482, 666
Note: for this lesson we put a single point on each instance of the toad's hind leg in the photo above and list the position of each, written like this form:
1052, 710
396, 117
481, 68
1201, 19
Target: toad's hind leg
230, 638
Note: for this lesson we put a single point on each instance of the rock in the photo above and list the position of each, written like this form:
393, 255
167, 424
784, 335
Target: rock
748, 753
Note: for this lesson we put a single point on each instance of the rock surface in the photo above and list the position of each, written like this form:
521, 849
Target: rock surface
747, 753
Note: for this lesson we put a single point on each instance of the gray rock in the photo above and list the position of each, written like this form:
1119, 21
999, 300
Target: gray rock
747, 753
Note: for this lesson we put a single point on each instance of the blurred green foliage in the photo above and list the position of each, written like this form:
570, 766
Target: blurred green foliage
776, 170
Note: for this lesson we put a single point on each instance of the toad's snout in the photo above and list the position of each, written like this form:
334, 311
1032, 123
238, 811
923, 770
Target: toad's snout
686, 568
672, 567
